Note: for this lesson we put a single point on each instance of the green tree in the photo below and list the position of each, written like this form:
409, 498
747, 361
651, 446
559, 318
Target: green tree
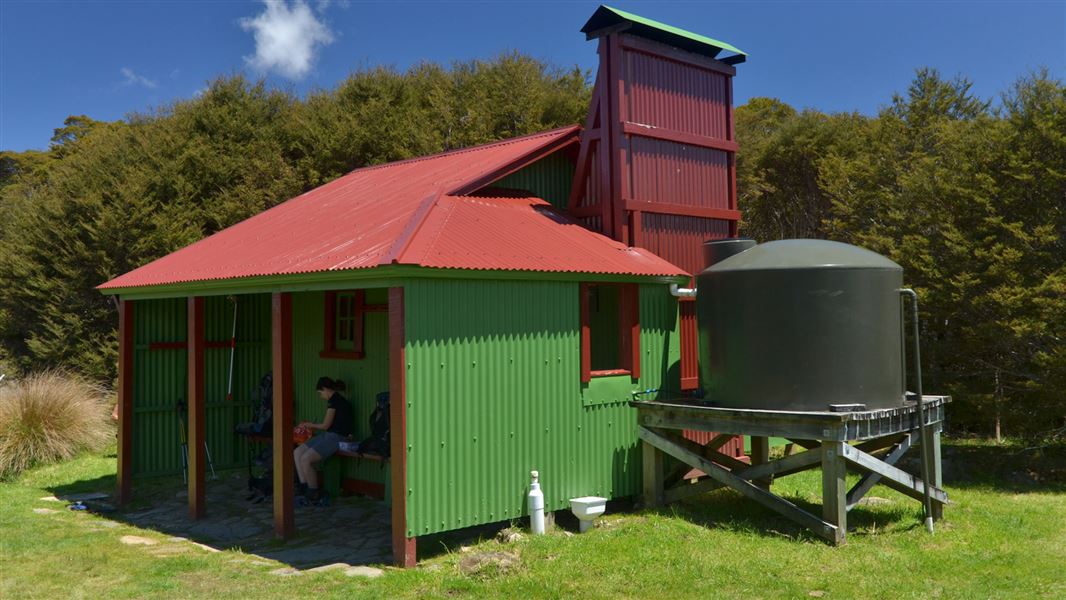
109, 197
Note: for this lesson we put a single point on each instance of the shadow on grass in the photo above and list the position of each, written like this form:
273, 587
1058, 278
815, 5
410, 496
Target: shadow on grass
729, 510
1008, 467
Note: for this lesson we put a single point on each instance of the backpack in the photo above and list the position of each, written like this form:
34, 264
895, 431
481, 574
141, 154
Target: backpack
263, 416
379, 440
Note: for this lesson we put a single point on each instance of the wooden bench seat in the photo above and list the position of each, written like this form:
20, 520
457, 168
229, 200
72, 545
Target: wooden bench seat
362, 456
334, 482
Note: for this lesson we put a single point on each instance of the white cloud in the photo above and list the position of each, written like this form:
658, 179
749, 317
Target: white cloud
287, 38
132, 78
323, 5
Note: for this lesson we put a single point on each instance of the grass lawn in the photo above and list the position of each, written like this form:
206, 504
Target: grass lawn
1004, 537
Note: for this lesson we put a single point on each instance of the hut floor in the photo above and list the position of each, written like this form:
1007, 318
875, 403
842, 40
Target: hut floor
352, 530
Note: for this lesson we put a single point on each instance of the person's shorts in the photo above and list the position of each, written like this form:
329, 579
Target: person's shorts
325, 444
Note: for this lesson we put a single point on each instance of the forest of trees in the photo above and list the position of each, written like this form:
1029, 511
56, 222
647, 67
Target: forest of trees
967, 194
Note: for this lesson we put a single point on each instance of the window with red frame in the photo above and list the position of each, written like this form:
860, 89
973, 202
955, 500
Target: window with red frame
345, 313
610, 330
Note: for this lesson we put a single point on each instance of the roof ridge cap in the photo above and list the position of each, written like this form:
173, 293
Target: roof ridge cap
503, 142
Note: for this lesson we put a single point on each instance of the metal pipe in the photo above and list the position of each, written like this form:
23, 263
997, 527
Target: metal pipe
232, 350
680, 292
921, 408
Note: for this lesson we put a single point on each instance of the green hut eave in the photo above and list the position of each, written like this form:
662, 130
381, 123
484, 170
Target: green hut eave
384, 276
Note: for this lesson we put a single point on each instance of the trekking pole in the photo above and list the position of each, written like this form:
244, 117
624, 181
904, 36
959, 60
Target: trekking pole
183, 441
232, 349
210, 462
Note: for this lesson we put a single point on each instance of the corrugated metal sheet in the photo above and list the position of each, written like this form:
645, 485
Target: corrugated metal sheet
666, 119
160, 376
662, 171
480, 233
364, 378
549, 178
679, 239
668, 94
251, 361
494, 391
160, 379
364, 219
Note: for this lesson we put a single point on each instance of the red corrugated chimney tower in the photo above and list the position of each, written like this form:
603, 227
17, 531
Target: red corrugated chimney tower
657, 164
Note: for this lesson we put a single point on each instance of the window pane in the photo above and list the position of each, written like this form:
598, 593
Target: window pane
604, 319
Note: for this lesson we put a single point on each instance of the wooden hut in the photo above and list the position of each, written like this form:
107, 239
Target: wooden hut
511, 297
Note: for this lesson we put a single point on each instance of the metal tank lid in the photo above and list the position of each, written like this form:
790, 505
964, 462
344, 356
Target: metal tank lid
804, 254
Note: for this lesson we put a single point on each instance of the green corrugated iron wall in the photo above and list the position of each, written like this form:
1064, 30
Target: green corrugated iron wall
160, 378
494, 391
251, 360
364, 378
549, 178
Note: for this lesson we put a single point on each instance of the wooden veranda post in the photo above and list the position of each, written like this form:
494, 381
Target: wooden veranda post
403, 547
125, 400
281, 355
195, 434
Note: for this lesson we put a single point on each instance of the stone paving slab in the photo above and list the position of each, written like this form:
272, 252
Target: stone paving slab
354, 531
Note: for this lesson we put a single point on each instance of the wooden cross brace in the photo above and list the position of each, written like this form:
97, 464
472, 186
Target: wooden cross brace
753, 481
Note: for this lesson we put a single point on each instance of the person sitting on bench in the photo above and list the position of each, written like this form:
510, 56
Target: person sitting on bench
335, 426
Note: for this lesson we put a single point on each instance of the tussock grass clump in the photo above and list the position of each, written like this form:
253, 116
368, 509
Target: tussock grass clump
50, 417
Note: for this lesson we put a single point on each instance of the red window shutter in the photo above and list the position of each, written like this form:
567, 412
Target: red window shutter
690, 347
586, 344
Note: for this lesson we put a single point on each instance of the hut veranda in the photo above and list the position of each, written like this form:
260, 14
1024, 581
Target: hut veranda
510, 297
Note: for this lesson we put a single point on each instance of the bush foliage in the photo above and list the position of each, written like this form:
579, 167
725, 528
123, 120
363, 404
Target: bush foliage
967, 195
49, 417
970, 200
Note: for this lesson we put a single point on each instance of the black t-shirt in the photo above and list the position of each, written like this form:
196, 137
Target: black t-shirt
342, 416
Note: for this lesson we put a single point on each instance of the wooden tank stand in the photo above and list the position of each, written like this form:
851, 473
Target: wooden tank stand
870, 442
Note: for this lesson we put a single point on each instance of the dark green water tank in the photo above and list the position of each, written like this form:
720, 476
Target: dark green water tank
801, 325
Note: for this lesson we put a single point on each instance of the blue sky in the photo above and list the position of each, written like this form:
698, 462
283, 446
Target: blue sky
108, 59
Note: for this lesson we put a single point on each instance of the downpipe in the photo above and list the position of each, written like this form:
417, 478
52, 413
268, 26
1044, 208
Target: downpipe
921, 408
680, 292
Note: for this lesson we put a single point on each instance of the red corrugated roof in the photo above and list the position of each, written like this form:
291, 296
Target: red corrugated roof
400, 213
528, 234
